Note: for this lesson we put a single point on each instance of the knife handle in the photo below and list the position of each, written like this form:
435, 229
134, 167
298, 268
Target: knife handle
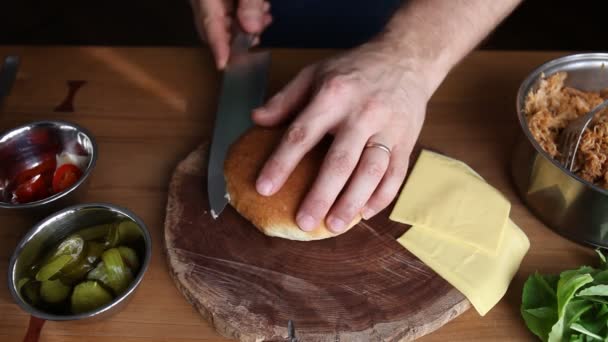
241, 41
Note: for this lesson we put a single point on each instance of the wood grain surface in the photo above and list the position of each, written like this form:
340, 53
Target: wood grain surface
150, 107
359, 286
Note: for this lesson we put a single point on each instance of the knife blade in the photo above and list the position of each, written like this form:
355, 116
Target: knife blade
243, 89
8, 74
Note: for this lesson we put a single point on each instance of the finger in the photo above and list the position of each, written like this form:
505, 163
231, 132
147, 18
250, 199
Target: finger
267, 20
284, 103
370, 170
390, 184
302, 135
218, 38
213, 25
341, 160
251, 15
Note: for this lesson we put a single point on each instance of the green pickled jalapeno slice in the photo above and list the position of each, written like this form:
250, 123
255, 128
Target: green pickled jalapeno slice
88, 296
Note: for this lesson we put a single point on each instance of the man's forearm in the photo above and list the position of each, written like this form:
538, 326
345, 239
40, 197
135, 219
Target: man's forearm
437, 34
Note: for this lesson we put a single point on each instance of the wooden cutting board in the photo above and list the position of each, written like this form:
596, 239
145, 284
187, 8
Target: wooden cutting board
360, 286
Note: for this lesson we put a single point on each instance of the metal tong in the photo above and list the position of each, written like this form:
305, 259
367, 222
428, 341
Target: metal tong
571, 136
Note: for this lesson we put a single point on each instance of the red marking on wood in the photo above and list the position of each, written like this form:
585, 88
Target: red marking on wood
33, 330
68, 103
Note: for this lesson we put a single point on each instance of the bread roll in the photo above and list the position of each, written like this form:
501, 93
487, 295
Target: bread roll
273, 215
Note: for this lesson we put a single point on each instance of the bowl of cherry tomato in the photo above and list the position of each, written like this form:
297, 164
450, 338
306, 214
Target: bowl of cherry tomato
45, 166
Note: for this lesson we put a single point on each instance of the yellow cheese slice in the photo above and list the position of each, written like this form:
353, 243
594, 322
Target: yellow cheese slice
482, 278
448, 197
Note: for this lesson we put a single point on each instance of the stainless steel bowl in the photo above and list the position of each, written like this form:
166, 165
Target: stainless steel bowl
25, 147
56, 227
565, 202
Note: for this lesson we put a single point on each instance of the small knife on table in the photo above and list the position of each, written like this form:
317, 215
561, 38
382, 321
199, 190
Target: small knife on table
243, 89
8, 74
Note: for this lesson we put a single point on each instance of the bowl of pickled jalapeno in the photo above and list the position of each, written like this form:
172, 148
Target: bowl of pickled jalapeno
80, 262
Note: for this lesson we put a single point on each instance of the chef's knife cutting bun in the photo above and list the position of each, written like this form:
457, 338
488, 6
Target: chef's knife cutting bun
273, 215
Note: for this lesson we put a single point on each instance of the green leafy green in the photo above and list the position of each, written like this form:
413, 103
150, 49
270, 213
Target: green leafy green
570, 307
601, 277
584, 331
539, 304
595, 299
560, 330
567, 287
597, 290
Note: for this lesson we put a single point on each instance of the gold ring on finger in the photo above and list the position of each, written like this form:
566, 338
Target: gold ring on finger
383, 147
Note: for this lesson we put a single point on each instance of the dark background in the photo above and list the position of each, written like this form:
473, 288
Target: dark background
535, 25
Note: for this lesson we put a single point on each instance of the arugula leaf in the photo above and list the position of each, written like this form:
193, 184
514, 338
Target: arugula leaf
595, 299
540, 320
540, 290
574, 310
570, 307
597, 290
567, 286
594, 322
583, 270
601, 277
583, 330
539, 304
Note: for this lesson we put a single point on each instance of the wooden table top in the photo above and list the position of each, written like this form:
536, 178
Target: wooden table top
149, 107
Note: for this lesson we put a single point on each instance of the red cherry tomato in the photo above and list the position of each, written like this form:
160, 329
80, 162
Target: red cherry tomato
65, 176
40, 137
33, 189
45, 168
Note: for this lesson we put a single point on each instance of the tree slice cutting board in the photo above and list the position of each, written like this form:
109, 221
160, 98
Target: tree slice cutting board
359, 286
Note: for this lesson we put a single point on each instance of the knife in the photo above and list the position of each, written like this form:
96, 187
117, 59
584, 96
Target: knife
8, 73
243, 89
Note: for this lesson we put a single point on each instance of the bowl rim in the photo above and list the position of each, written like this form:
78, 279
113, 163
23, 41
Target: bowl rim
530, 81
38, 227
85, 174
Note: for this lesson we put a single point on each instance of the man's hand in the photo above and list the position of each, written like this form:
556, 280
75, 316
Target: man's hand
213, 19
363, 96
375, 95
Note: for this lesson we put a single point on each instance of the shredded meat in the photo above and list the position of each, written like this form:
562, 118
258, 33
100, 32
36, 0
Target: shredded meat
552, 106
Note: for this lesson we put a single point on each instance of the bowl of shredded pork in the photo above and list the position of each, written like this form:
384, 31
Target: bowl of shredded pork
552, 106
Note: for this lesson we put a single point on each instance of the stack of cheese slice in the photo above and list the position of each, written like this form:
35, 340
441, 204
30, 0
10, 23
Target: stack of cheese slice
460, 228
